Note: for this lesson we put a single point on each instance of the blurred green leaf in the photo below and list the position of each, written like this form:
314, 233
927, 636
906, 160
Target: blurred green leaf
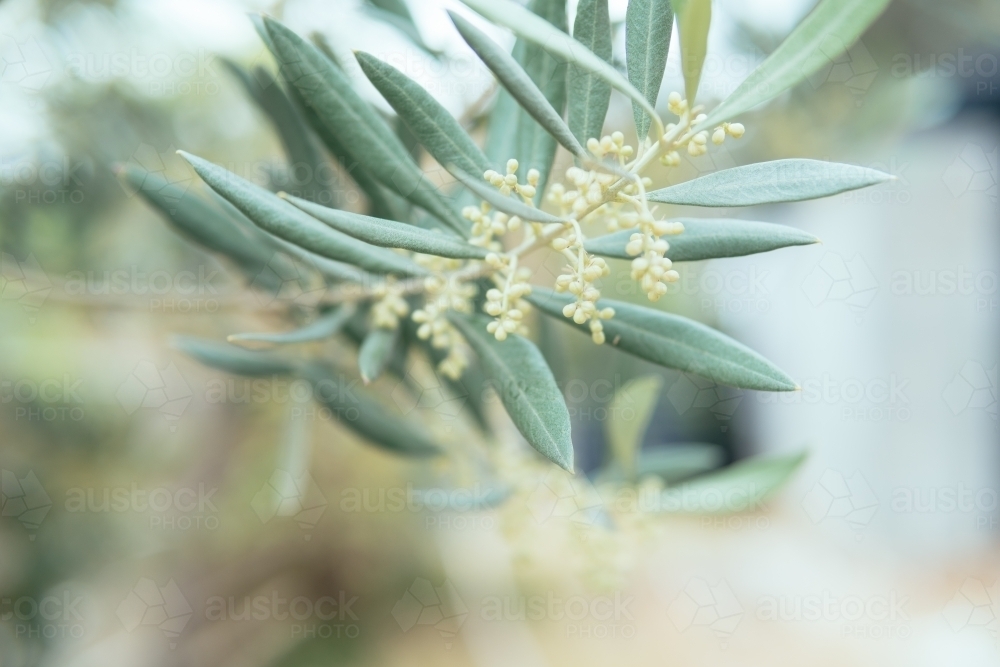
541, 32
285, 221
770, 183
375, 352
709, 239
518, 83
676, 342
235, 360
828, 31
508, 205
389, 233
631, 411
430, 122
525, 386
397, 14
671, 463
693, 20
326, 89
590, 95
323, 327
648, 24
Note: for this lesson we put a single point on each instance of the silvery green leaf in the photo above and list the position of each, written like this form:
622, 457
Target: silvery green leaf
590, 95
235, 360
375, 352
741, 487
539, 31
389, 233
280, 218
525, 386
432, 125
518, 83
821, 37
301, 149
397, 14
648, 24
331, 95
693, 20
770, 183
360, 411
508, 205
671, 463
676, 342
323, 327
631, 410
710, 239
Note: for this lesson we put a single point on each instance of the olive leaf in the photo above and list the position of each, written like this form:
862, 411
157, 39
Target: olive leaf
709, 239
770, 183
589, 95
672, 463
280, 218
631, 411
821, 37
323, 327
740, 487
518, 83
375, 352
235, 360
389, 233
539, 31
432, 125
648, 24
397, 14
676, 342
693, 20
508, 205
526, 388
331, 95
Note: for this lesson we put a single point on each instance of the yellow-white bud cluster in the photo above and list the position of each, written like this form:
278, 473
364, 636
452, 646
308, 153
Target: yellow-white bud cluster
589, 189
580, 283
389, 305
487, 226
444, 294
612, 144
508, 183
506, 303
735, 130
651, 267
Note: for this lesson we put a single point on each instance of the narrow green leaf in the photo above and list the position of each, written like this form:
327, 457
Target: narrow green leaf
389, 233
539, 31
526, 388
693, 20
677, 342
397, 14
828, 31
331, 95
508, 205
672, 463
432, 125
360, 411
235, 360
648, 25
632, 410
742, 487
770, 183
280, 218
323, 327
375, 352
710, 239
590, 95
518, 83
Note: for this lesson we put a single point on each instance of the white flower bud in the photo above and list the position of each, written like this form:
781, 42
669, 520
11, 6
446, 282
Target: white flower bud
718, 136
512, 166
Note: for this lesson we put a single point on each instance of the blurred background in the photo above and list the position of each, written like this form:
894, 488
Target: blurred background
147, 517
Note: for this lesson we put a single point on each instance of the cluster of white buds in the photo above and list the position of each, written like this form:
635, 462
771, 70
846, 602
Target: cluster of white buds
612, 144
507, 304
579, 281
651, 267
389, 305
444, 294
487, 226
508, 183
735, 130
589, 190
